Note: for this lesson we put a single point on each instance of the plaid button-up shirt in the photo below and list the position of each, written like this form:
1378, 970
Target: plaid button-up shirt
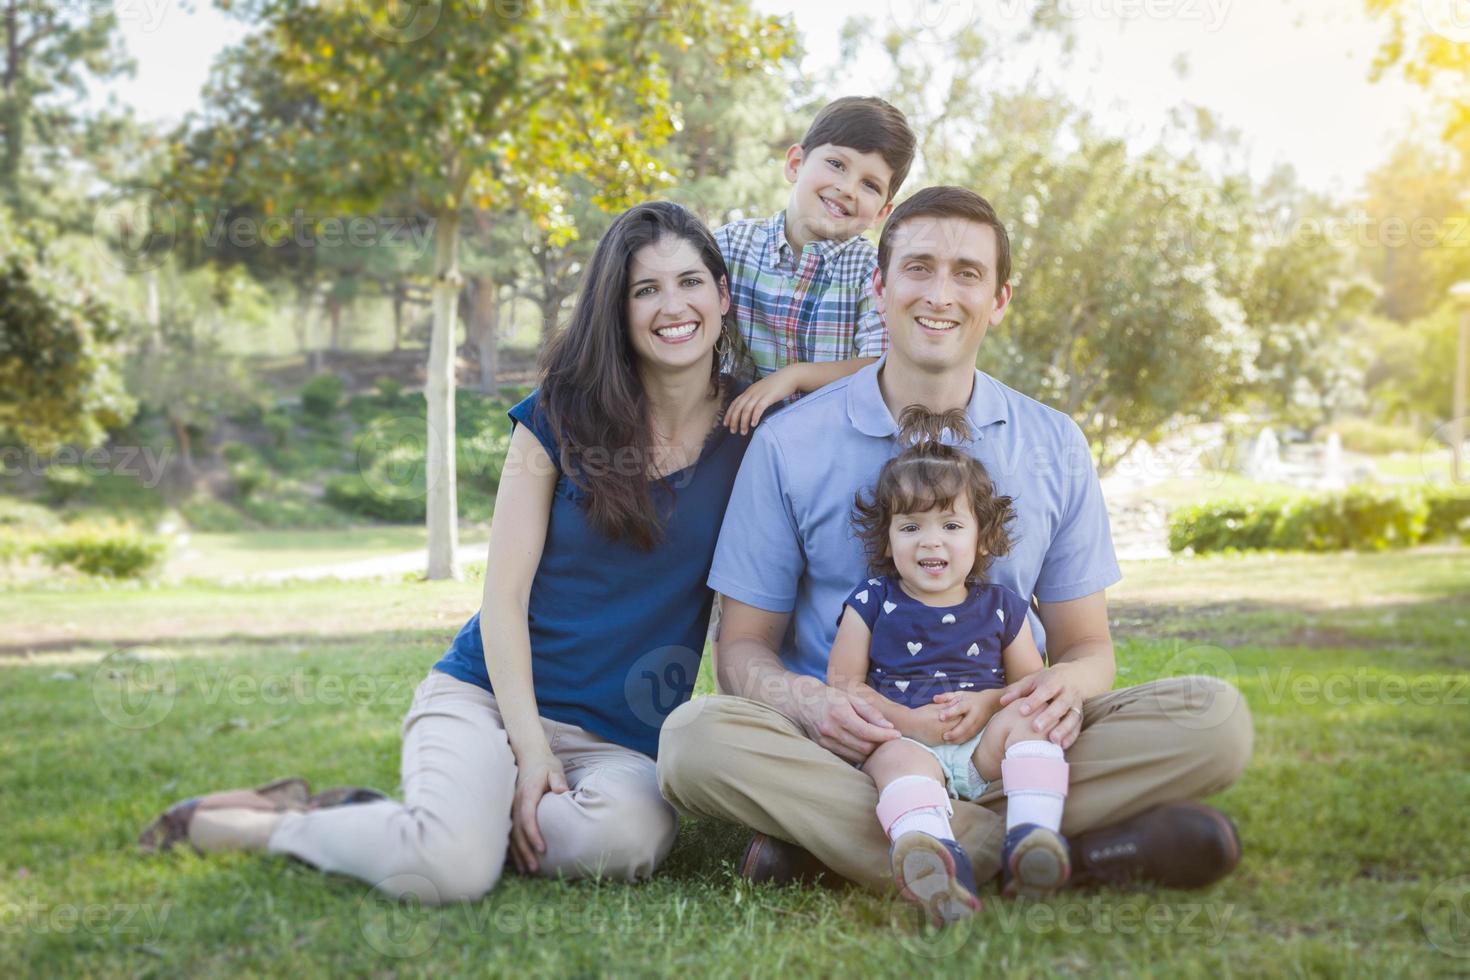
814, 307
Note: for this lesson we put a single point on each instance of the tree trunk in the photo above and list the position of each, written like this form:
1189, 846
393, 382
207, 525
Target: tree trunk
334, 314
487, 333
186, 452
397, 316
442, 511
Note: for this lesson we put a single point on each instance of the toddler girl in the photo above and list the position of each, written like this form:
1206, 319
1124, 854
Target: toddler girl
932, 644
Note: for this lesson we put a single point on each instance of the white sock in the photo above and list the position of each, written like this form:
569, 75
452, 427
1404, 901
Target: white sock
931, 820
1034, 806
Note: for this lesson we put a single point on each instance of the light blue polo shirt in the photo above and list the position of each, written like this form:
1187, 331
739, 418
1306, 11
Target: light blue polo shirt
787, 543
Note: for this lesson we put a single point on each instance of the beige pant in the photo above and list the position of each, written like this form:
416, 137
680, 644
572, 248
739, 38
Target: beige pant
1171, 740
447, 841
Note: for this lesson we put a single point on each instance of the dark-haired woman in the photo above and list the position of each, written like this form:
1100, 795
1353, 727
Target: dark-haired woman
534, 735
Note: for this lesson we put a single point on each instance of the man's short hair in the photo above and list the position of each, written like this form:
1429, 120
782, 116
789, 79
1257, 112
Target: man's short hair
868, 125
948, 202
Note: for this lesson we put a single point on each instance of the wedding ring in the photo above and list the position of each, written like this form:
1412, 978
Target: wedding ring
1076, 709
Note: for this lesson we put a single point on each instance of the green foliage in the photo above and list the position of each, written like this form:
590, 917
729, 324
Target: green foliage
1358, 519
205, 513
58, 353
65, 484
111, 551
279, 425
1376, 439
1449, 515
322, 396
379, 499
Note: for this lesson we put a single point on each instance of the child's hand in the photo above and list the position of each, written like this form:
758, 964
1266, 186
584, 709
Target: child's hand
965, 713
746, 410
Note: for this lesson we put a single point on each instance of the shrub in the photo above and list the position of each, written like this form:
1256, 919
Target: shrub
1225, 525
114, 551
1448, 516
1373, 439
204, 513
379, 499
1359, 519
322, 395
279, 425
248, 476
66, 483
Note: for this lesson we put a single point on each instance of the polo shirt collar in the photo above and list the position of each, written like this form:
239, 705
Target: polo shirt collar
869, 413
779, 249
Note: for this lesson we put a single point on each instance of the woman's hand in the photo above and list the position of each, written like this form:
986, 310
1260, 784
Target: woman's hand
964, 713
1052, 700
536, 775
748, 407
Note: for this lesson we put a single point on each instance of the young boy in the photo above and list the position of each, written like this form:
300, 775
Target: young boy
801, 280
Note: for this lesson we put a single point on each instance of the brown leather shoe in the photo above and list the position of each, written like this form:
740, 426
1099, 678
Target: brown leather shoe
776, 861
237, 819
1177, 845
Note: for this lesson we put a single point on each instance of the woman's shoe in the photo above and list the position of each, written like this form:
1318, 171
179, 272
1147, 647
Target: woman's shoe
237, 819
344, 796
935, 874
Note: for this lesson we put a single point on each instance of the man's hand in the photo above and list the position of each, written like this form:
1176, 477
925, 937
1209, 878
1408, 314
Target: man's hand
536, 775
1048, 699
965, 713
842, 723
748, 407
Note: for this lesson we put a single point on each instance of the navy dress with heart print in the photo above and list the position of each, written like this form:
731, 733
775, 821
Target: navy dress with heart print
918, 651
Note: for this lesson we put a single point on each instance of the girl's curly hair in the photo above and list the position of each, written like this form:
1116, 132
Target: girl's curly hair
930, 474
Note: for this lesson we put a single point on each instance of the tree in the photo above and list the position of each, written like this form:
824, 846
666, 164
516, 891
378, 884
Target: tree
49, 51
58, 351
466, 105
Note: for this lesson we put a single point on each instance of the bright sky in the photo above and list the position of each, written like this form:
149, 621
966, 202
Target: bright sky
1292, 75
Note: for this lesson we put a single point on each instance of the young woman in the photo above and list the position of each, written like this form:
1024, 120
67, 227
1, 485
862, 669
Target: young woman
534, 735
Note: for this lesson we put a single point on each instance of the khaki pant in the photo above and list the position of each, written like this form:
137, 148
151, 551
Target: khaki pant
1168, 741
447, 840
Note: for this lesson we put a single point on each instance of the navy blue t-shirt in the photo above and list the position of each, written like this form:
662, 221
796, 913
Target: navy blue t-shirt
617, 633
918, 651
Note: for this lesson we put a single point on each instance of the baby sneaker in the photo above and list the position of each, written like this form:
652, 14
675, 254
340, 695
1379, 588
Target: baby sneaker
1034, 863
936, 875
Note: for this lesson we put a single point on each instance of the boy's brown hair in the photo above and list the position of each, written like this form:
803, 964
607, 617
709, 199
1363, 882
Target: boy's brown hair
868, 125
927, 475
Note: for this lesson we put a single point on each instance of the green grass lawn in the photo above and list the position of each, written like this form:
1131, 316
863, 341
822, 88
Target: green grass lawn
1351, 813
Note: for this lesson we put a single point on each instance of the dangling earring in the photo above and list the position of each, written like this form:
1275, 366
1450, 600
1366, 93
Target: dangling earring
722, 345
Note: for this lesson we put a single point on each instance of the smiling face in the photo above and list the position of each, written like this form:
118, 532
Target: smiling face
934, 551
675, 306
938, 294
837, 193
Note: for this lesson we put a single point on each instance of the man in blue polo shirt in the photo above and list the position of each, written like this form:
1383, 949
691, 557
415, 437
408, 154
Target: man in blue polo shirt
775, 750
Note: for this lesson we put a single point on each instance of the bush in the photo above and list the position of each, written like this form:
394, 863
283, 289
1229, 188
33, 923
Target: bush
1373, 439
248, 476
204, 513
279, 425
1222, 526
66, 483
378, 499
322, 395
114, 551
1448, 515
1359, 519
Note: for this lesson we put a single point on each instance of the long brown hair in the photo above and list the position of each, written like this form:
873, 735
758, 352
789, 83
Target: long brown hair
591, 392
930, 474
